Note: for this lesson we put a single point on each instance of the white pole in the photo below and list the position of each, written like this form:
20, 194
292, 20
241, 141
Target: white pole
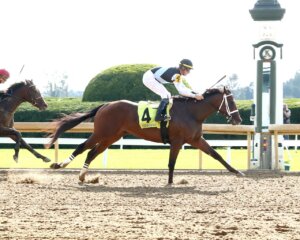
105, 156
296, 143
228, 155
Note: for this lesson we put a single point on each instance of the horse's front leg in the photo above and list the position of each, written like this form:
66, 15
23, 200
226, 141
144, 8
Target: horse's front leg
174, 150
205, 147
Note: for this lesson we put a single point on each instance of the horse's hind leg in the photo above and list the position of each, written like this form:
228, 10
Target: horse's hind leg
80, 149
205, 147
92, 154
16, 136
17, 149
35, 153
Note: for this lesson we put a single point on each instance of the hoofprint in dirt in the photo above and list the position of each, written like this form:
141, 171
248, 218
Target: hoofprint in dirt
137, 205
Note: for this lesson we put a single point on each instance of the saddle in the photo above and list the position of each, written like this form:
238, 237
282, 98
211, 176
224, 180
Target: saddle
147, 112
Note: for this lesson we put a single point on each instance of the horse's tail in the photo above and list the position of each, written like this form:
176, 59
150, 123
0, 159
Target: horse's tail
67, 122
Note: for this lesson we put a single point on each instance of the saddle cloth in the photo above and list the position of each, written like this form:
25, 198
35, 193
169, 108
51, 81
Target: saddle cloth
147, 111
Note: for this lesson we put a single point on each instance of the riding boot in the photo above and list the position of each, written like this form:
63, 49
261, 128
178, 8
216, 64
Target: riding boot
161, 113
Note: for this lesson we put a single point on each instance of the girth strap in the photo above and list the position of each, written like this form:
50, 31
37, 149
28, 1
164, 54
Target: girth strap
164, 132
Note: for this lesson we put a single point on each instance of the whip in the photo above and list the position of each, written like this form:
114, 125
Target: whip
218, 81
20, 72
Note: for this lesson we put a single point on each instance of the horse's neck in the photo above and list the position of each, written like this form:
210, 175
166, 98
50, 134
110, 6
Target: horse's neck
10, 103
203, 109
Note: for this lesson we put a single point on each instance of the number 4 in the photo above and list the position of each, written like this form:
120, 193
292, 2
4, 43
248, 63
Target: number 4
146, 116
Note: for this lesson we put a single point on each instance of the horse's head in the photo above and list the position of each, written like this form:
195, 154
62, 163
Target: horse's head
27, 92
227, 106
229, 109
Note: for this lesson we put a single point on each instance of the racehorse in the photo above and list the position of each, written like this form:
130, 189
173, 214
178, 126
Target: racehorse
16, 94
115, 119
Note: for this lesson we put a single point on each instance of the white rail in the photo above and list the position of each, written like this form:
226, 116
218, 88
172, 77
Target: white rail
86, 127
248, 130
127, 142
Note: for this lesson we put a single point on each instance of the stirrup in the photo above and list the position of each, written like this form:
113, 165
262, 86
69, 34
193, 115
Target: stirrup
162, 118
166, 118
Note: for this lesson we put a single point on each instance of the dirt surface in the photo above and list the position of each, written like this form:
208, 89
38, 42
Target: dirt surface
138, 205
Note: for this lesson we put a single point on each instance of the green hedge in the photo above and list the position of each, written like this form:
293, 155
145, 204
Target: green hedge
119, 82
122, 82
57, 107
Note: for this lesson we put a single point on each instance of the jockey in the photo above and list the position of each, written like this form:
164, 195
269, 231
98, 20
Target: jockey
4, 75
156, 77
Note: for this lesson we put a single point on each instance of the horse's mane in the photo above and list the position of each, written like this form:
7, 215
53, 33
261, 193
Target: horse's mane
212, 91
207, 93
179, 98
15, 86
12, 88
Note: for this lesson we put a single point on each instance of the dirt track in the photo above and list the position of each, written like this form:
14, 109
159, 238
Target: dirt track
137, 205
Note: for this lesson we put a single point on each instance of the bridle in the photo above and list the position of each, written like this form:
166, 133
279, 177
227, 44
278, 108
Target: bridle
228, 110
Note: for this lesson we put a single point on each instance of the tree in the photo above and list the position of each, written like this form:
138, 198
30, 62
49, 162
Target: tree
291, 88
245, 93
58, 87
233, 82
242, 93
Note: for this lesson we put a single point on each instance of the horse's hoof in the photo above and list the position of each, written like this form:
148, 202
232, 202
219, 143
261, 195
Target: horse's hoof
55, 166
81, 179
82, 174
16, 158
45, 159
240, 174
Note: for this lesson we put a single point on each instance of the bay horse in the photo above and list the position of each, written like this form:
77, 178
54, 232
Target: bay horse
16, 94
115, 119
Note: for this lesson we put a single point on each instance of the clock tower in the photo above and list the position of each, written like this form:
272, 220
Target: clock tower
268, 101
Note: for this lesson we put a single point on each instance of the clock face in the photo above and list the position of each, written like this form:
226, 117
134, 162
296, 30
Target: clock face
267, 53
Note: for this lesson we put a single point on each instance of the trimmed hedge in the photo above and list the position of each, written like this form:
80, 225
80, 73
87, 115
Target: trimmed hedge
122, 82
57, 107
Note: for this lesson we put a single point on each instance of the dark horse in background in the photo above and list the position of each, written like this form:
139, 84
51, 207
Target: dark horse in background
15, 95
115, 119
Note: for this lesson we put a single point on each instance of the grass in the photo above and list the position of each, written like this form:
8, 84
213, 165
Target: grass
124, 159
136, 159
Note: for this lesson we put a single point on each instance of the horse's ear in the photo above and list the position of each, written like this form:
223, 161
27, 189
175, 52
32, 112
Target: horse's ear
220, 90
226, 90
29, 81
207, 91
